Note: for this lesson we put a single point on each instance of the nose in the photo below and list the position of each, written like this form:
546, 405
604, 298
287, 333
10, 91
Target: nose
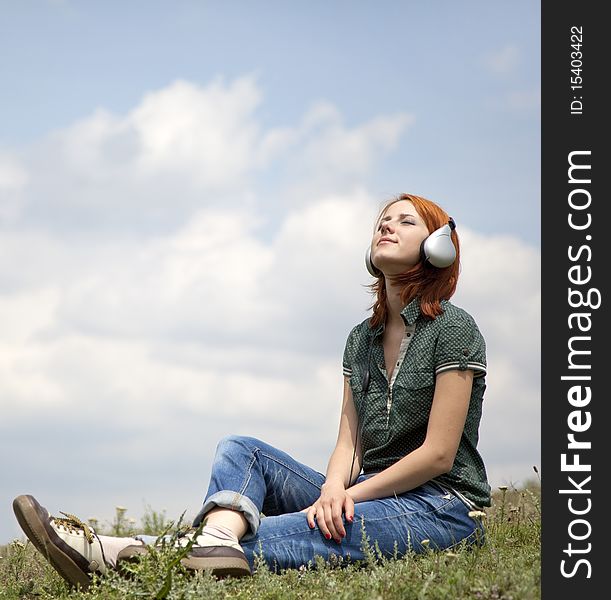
386, 227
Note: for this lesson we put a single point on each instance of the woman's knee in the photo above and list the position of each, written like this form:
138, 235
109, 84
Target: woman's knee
233, 440
235, 445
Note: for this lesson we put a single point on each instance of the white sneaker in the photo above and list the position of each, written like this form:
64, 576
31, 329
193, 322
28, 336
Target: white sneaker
71, 546
205, 540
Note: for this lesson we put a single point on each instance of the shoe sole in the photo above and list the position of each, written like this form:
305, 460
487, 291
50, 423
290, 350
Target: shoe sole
28, 512
129, 556
219, 566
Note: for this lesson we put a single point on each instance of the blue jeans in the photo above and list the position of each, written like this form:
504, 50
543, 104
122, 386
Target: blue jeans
253, 477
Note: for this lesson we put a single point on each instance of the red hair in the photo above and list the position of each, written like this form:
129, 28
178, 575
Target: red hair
429, 283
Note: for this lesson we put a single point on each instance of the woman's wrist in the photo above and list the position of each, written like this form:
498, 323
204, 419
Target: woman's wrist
334, 482
354, 494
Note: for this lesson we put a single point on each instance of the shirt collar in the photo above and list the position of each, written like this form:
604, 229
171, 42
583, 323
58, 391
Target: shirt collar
412, 311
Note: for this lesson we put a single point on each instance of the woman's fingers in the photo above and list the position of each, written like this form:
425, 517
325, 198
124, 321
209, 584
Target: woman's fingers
328, 516
334, 522
338, 522
324, 524
349, 508
310, 513
316, 515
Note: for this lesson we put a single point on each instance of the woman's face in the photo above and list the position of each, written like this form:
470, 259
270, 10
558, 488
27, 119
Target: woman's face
396, 241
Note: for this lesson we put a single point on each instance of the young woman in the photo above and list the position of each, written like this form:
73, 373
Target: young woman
414, 379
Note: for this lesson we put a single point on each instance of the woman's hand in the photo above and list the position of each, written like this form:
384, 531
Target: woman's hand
327, 511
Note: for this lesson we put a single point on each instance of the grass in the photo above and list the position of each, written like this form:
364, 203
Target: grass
507, 567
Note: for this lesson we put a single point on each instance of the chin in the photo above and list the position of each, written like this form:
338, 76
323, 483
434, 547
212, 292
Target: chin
394, 268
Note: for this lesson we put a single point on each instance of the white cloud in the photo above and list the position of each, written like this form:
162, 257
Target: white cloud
501, 277
500, 286
124, 322
503, 61
504, 64
184, 148
189, 281
13, 178
180, 322
140, 335
208, 134
524, 100
332, 150
317, 245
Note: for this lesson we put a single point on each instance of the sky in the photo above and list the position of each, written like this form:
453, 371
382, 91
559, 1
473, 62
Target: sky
187, 191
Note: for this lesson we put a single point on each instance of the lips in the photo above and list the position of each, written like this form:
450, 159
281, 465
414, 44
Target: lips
385, 239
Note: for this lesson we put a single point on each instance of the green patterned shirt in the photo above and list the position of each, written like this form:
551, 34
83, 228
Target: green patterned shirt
393, 415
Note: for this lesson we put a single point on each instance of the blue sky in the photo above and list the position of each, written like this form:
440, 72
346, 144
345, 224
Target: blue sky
137, 136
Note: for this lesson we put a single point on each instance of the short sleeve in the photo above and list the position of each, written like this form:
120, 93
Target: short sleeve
460, 345
349, 352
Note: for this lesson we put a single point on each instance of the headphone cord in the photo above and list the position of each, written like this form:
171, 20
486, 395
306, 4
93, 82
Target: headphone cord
353, 457
364, 388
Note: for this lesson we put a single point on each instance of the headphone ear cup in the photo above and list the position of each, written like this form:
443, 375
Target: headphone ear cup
423, 256
437, 249
373, 271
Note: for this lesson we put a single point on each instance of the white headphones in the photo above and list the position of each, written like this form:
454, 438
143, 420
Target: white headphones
437, 249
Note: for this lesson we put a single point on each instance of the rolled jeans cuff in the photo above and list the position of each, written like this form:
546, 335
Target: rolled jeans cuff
234, 501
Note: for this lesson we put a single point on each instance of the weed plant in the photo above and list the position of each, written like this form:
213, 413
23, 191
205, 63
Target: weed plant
506, 567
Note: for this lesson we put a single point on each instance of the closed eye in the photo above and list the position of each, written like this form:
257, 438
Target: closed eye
402, 222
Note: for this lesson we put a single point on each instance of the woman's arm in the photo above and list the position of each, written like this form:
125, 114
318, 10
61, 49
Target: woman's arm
437, 453
338, 468
334, 500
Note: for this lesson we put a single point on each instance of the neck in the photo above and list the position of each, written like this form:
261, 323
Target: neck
394, 306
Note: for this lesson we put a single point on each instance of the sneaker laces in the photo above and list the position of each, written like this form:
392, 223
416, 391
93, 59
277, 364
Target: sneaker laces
74, 524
